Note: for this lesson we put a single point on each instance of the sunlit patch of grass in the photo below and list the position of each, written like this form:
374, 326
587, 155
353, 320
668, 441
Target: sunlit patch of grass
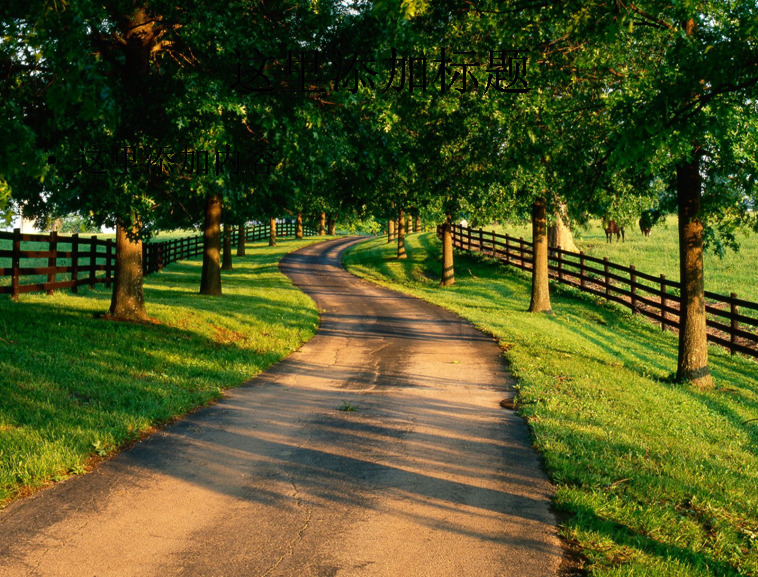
656, 478
73, 386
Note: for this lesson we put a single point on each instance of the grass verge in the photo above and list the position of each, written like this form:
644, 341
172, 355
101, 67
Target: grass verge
74, 388
656, 478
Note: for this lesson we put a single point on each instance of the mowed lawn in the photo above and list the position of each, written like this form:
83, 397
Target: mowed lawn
659, 254
74, 387
653, 478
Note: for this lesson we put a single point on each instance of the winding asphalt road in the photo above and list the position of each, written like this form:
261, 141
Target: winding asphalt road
428, 476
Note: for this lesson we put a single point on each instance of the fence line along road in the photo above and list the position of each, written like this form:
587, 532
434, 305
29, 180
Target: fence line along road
732, 322
90, 261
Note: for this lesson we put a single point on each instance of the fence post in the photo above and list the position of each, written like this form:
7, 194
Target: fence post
74, 263
582, 278
159, 255
507, 249
633, 286
559, 258
521, 251
468, 239
92, 260
494, 244
481, 240
607, 279
663, 302
109, 258
735, 325
15, 263
52, 260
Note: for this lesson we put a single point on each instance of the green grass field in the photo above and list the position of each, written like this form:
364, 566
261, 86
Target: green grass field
659, 254
73, 387
654, 478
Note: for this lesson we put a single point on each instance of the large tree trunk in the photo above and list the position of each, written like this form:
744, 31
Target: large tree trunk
692, 363
241, 241
390, 230
128, 298
401, 234
299, 226
540, 287
417, 224
331, 226
226, 264
210, 280
322, 224
559, 234
272, 232
448, 271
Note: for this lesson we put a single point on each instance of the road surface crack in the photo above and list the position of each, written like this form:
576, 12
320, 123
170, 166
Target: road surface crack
299, 536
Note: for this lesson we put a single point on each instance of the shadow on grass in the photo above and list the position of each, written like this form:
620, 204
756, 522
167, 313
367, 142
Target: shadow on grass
72, 382
593, 376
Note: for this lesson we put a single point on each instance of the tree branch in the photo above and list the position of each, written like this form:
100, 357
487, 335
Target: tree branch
652, 18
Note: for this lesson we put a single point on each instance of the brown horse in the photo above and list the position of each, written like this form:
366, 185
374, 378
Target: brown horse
611, 227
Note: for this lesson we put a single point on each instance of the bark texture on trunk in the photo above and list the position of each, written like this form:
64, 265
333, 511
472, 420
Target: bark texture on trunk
448, 271
540, 287
401, 234
299, 226
417, 224
322, 224
272, 232
331, 225
390, 230
559, 234
692, 362
127, 297
241, 241
210, 281
226, 263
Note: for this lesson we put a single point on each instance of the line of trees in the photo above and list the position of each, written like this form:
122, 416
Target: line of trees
499, 109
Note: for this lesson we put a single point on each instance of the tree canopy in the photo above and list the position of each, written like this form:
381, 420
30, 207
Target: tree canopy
143, 114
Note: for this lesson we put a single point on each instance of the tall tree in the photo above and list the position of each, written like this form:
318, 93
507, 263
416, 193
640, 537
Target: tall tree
677, 110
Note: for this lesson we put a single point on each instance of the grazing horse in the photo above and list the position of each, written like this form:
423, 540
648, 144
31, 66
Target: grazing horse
648, 219
611, 227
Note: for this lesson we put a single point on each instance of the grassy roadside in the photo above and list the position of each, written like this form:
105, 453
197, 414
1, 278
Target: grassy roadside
657, 479
73, 387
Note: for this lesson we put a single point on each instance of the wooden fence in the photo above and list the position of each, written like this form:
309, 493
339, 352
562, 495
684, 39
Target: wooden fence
87, 260
732, 322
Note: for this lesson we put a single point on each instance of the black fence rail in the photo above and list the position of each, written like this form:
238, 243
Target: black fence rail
74, 261
731, 322
156, 255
